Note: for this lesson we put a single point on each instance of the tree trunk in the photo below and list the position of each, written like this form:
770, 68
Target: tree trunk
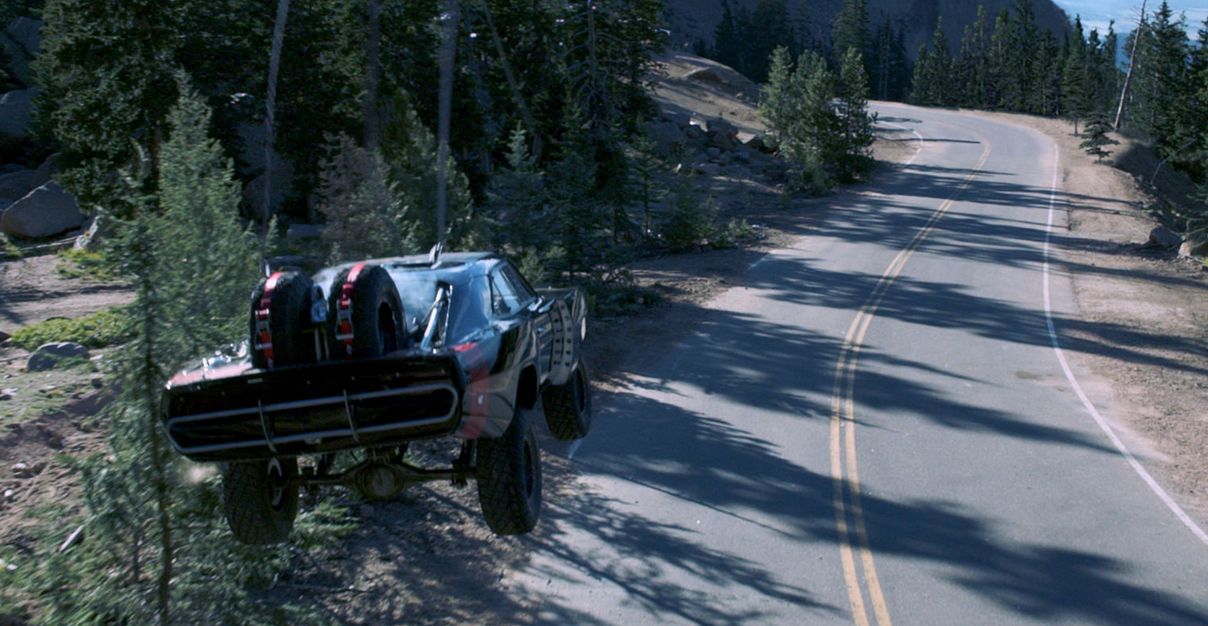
448, 52
373, 74
274, 63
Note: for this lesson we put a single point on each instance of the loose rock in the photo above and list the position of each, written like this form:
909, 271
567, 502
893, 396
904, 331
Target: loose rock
48, 356
1163, 237
1191, 249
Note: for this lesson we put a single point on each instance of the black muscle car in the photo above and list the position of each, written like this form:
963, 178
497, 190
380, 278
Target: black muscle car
372, 355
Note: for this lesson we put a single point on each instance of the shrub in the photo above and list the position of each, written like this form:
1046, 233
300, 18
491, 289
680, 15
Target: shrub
97, 330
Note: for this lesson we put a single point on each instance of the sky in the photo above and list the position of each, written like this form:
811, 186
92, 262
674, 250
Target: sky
1097, 13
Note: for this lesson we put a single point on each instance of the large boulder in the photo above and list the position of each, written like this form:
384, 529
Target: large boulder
14, 186
45, 211
16, 110
49, 355
22, 40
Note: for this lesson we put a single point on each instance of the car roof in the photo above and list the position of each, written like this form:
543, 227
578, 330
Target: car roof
455, 267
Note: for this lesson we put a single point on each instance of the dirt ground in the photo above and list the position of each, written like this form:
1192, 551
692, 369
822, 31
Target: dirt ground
44, 414
1143, 317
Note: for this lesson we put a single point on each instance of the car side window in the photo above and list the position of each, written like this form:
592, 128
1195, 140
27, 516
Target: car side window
519, 285
504, 299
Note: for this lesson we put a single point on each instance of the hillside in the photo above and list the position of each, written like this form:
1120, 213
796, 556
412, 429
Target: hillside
692, 20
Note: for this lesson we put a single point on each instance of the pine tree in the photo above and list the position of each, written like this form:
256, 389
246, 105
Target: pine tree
850, 30
1160, 77
933, 84
516, 196
1096, 136
999, 63
855, 122
973, 70
158, 550
1075, 77
365, 218
778, 100
217, 257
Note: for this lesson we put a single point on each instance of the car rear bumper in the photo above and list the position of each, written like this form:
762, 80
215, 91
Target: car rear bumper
313, 409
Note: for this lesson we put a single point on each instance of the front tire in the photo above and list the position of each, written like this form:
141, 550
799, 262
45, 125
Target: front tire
568, 406
509, 478
259, 503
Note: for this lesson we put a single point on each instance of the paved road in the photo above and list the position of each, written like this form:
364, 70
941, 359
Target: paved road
874, 428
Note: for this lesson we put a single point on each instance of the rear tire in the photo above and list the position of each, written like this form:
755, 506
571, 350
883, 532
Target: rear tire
377, 315
289, 316
260, 507
509, 478
568, 406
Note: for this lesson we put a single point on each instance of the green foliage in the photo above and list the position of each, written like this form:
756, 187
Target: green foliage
409, 155
933, 71
365, 217
516, 198
1075, 85
106, 72
689, 223
855, 158
82, 263
823, 144
850, 29
8, 249
96, 330
1096, 137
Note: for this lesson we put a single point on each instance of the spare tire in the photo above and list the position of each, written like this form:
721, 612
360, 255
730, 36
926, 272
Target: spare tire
280, 313
365, 313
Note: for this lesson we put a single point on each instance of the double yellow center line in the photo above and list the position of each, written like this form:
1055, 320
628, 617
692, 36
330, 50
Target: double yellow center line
844, 470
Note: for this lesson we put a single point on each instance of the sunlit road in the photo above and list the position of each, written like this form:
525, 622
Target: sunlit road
874, 427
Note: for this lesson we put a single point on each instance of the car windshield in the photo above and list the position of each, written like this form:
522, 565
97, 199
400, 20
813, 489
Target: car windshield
417, 289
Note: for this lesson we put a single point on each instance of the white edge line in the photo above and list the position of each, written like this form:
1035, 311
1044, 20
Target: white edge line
1086, 402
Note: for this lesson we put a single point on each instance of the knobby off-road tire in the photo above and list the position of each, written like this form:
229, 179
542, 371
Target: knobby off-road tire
509, 478
259, 507
568, 406
377, 315
289, 316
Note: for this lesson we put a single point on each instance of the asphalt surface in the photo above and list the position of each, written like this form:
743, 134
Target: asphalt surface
874, 428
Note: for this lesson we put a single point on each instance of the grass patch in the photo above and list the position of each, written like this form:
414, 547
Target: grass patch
98, 330
8, 249
80, 263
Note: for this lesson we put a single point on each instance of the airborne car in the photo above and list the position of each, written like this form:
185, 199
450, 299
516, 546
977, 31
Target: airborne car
369, 356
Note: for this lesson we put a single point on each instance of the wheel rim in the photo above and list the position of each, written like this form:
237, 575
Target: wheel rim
386, 331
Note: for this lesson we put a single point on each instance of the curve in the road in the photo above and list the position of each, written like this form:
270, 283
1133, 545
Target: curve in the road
844, 464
